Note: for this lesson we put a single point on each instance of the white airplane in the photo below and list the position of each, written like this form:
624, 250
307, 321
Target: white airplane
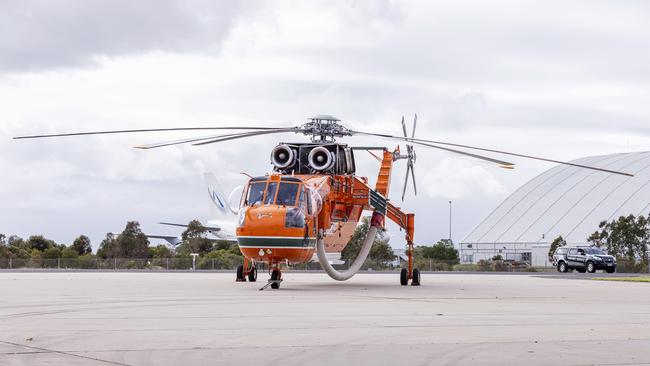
222, 216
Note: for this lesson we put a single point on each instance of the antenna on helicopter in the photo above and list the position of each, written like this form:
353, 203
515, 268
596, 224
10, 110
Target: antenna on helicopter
410, 156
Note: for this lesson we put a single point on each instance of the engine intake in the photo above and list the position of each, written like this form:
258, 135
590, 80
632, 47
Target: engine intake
321, 159
282, 156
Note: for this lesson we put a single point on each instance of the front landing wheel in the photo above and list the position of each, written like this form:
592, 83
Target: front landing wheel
252, 275
404, 277
416, 277
276, 275
240, 274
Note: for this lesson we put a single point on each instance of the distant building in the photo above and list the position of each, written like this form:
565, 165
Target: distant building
564, 200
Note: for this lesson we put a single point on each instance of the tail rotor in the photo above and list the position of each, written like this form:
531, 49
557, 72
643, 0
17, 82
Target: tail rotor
410, 156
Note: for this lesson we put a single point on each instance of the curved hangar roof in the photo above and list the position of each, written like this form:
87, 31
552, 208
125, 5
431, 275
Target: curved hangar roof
569, 201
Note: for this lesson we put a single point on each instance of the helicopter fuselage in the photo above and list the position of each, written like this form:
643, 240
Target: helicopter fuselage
282, 216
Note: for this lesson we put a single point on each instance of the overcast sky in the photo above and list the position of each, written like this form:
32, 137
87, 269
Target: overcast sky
552, 78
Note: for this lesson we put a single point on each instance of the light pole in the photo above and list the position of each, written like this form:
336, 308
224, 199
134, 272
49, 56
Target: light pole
450, 221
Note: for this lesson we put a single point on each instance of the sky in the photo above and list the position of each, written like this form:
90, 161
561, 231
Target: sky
557, 79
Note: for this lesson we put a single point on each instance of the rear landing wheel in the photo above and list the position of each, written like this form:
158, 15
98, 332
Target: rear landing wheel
240, 274
275, 276
252, 275
404, 277
416, 277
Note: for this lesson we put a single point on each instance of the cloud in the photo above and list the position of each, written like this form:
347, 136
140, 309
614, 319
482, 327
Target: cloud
37, 35
537, 78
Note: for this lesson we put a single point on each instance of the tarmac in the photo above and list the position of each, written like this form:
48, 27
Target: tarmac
132, 318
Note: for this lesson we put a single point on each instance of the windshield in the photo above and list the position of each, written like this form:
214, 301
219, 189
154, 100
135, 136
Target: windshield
255, 193
594, 251
270, 193
287, 194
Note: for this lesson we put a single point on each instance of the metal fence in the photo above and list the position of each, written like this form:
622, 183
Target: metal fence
154, 264
200, 264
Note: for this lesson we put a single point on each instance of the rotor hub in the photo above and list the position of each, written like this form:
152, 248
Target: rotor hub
324, 128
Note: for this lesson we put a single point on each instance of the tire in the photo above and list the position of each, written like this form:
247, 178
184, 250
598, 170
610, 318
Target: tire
591, 267
252, 275
562, 267
240, 273
610, 270
404, 277
416, 277
275, 275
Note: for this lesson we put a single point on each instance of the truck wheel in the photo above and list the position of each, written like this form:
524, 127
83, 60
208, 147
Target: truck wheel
562, 267
610, 270
591, 268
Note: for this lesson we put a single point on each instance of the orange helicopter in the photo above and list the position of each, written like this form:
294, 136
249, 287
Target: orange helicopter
312, 201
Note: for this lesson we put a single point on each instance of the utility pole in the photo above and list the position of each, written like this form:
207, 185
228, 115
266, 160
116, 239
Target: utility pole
450, 221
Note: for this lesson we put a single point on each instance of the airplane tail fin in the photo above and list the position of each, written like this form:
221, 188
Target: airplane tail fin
219, 205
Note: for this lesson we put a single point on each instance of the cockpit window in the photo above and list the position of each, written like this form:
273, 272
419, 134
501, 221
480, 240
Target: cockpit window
255, 193
270, 193
287, 194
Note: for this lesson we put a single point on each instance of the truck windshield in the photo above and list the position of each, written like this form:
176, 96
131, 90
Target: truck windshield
287, 194
594, 251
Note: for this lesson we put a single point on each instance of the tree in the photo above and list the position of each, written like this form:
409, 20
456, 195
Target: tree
626, 237
51, 253
69, 253
132, 242
107, 247
556, 243
160, 251
195, 239
3, 239
40, 243
16, 241
380, 253
82, 245
443, 250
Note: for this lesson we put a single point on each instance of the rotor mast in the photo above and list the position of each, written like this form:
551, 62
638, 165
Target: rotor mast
324, 128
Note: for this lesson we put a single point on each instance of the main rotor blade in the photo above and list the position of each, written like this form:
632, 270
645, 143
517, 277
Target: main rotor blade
148, 130
182, 141
486, 158
404, 127
424, 142
247, 134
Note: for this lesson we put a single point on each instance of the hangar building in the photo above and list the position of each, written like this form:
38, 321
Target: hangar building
564, 200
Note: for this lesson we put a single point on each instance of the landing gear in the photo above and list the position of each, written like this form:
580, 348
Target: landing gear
252, 275
404, 277
247, 269
240, 274
275, 280
415, 281
409, 273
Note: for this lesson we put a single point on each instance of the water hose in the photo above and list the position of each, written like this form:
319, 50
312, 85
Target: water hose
356, 265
